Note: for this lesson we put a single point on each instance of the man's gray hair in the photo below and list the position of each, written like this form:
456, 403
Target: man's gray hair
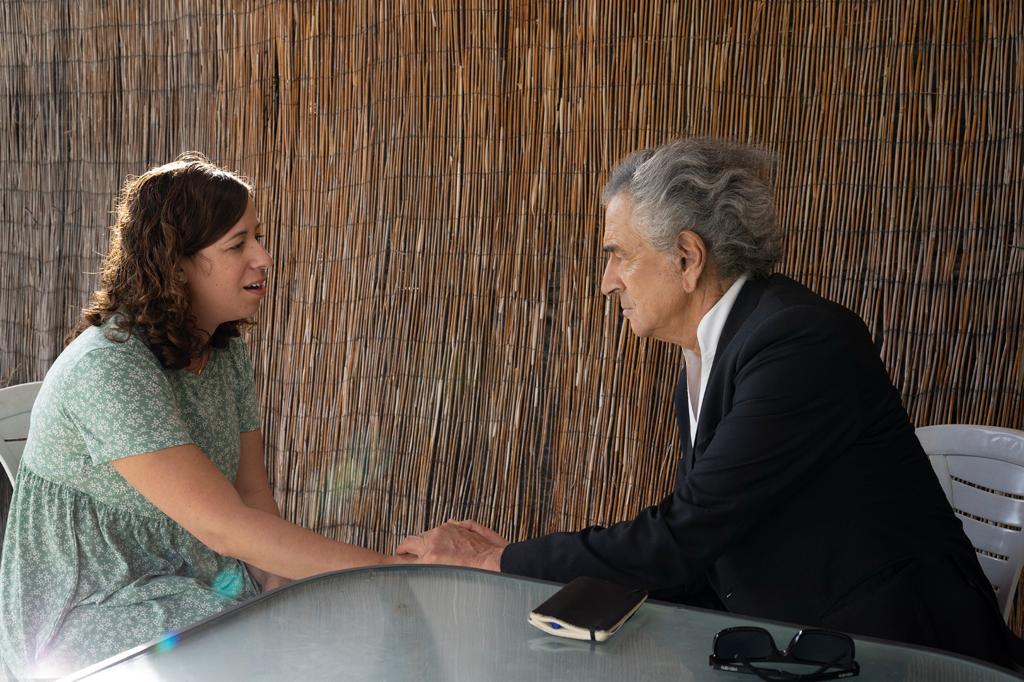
719, 189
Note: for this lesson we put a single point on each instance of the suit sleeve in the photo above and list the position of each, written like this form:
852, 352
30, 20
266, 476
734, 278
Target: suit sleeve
796, 405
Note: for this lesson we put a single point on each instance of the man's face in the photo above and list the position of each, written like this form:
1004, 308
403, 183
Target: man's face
649, 282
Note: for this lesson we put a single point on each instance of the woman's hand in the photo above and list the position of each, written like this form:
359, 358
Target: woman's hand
273, 582
266, 581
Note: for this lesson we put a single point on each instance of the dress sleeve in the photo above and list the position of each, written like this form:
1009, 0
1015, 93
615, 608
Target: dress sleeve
245, 387
122, 404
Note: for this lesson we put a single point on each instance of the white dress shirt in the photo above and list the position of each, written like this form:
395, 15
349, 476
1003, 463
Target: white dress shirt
698, 367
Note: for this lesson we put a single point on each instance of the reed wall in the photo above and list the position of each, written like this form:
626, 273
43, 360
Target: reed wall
435, 344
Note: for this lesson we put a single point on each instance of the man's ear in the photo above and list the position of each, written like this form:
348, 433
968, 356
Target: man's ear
693, 258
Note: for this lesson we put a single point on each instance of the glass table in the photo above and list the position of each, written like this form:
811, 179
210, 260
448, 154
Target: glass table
429, 623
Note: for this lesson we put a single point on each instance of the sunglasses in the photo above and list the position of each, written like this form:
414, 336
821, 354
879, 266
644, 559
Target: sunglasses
739, 649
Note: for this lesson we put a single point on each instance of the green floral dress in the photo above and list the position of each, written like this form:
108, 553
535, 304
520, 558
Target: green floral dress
91, 568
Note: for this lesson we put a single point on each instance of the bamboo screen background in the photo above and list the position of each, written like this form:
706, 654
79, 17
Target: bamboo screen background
435, 344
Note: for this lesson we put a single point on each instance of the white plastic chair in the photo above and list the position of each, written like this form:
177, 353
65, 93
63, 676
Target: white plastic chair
981, 469
15, 408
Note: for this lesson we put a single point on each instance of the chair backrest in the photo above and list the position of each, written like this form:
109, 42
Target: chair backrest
15, 409
981, 469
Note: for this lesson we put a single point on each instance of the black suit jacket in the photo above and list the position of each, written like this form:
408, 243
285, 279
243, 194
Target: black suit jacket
805, 494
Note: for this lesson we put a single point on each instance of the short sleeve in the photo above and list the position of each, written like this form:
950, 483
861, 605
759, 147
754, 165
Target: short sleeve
245, 387
122, 403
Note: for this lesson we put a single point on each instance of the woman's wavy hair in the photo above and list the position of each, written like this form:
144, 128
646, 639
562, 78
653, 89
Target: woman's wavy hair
163, 216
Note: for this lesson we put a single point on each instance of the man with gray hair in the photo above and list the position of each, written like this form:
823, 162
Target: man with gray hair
802, 493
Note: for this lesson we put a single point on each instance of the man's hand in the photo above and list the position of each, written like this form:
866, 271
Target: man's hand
457, 543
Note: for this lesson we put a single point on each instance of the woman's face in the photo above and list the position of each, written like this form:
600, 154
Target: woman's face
228, 279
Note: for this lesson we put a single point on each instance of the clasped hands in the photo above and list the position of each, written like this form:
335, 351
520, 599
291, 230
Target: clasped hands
456, 543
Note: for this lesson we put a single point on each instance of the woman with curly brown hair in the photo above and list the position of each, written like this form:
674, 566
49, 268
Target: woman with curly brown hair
142, 503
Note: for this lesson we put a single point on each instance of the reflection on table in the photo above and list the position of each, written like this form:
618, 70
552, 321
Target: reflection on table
438, 623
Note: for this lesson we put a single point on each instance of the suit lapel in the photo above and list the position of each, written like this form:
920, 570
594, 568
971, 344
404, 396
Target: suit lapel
711, 410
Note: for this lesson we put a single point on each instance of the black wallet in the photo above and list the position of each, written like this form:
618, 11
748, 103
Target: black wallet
587, 608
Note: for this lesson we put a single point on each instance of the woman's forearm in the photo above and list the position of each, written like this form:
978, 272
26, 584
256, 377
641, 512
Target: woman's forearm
261, 499
183, 483
276, 546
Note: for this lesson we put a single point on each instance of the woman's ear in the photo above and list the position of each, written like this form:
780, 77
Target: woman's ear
692, 258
